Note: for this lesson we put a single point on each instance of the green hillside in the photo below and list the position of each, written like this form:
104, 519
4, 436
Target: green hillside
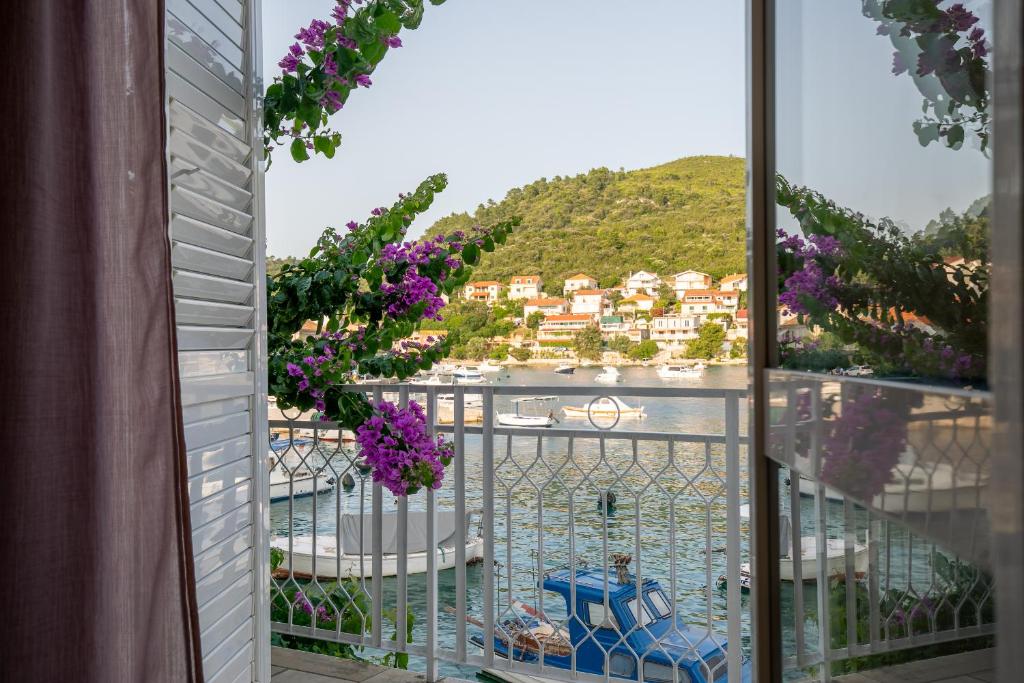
684, 214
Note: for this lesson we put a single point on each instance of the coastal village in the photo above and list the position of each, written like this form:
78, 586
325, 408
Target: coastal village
665, 314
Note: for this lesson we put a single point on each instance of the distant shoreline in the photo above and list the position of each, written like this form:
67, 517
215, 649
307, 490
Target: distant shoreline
550, 362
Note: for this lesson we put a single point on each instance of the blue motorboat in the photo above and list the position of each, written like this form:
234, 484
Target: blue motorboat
599, 627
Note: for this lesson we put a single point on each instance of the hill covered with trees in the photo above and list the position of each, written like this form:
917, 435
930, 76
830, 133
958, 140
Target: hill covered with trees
688, 213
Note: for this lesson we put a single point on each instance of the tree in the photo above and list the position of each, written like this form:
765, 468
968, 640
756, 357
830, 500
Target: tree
645, 350
739, 348
499, 352
521, 354
534, 320
666, 297
476, 348
587, 343
620, 343
708, 343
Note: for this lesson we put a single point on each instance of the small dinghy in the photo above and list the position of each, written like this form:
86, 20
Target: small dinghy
468, 400
517, 419
609, 375
565, 369
354, 557
606, 406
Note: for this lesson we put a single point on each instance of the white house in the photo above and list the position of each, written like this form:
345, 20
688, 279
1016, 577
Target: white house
642, 282
729, 301
673, 330
637, 302
740, 326
578, 282
690, 279
588, 302
484, 290
734, 283
699, 302
524, 287
562, 328
547, 306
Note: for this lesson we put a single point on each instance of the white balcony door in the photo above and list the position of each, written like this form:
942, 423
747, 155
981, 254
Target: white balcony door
218, 249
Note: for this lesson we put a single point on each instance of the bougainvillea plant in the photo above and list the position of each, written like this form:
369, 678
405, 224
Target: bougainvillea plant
899, 299
331, 59
366, 291
944, 51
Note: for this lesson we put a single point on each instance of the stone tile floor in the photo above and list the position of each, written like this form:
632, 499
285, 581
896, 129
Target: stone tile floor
292, 666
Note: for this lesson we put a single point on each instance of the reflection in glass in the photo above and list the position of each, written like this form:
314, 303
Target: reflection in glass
883, 192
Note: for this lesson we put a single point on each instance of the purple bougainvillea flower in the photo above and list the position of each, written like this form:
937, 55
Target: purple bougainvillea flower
363, 80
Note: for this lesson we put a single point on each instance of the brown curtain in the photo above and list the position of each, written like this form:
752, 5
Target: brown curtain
96, 557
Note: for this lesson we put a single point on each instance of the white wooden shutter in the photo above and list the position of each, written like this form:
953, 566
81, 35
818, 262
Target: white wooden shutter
218, 257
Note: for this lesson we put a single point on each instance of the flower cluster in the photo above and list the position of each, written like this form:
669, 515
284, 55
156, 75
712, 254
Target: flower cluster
863, 444
403, 456
810, 283
322, 613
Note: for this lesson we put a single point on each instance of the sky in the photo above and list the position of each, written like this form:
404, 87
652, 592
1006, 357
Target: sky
499, 93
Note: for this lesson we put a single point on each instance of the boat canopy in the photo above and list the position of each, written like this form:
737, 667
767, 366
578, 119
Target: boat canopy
357, 532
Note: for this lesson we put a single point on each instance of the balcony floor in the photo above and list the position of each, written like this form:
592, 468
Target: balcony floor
965, 667
293, 666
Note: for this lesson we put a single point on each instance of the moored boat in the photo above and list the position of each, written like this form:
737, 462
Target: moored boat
605, 406
353, 555
290, 476
681, 371
517, 419
609, 375
468, 375
565, 369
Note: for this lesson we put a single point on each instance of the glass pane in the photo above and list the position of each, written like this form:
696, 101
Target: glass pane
884, 188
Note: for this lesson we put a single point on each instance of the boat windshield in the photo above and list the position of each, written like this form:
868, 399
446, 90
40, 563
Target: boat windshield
639, 611
659, 602
599, 615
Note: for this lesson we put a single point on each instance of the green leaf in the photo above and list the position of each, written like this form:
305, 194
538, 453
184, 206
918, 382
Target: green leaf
471, 254
298, 149
388, 23
324, 145
955, 137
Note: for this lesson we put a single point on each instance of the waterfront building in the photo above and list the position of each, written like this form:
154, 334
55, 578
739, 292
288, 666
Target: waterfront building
736, 282
642, 282
486, 291
545, 305
525, 287
578, 282
689, 279
588, 301
636, 302
560, 329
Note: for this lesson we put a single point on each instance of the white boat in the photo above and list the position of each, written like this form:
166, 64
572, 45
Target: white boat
681, 371
609, 375
468, 375
290, 476
429, 380
835, 553
923, 487
808, 487
489, 367
606, 406
565, 369
297, 482
517, 419
835, 559
354, 557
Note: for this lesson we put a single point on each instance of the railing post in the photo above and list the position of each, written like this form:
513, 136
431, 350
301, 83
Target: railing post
487, 476
732, 551
377, 562
459, 419
431, 616
402, 578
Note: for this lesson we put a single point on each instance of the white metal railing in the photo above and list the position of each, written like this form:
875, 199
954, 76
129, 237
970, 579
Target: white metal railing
905, 510
556, 505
